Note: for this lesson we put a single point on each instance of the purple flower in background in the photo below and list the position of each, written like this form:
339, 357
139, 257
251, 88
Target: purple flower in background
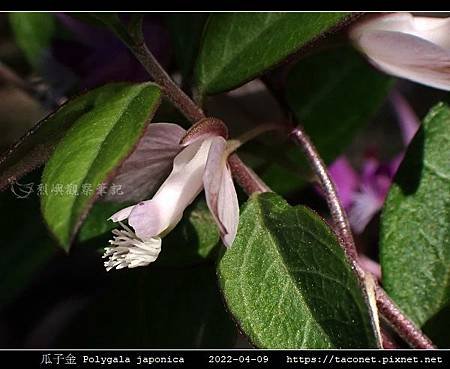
346, 180
368, 198
363, 193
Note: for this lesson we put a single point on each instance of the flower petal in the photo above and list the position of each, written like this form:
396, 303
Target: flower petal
435, 30
366, 203
213, 177
408, 120
228, 207
122, 214
220, 192
346, 180
408, 56
145, 169
146, 219
160, 214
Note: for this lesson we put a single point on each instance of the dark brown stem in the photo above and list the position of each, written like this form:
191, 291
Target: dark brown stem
245, 177
400, 323
337, 210
182, 101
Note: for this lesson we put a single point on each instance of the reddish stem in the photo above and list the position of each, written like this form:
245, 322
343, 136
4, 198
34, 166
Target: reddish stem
388, 342
246, 177
403, 326
177, 96
327, 184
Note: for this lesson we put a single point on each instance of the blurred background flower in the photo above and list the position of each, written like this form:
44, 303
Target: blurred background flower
363, 192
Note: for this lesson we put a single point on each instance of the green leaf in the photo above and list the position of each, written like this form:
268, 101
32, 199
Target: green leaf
287, 282
333, 94
154, 308
33, 33
96, 227
239, 46
37, 145
95, 145
186, 30
24, 243
415, 232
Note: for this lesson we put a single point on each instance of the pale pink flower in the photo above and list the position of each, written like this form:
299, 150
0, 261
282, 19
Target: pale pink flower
200, 164
400, 44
